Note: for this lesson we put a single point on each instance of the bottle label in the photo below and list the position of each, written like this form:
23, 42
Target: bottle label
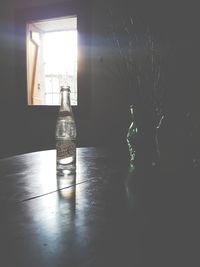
65, 149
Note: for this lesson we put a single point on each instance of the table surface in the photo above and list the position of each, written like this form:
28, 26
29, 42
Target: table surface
91, 218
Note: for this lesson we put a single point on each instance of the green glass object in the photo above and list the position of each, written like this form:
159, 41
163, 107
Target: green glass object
132, 139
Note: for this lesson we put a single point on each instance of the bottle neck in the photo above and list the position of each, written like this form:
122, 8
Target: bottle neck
65, 104
132, 113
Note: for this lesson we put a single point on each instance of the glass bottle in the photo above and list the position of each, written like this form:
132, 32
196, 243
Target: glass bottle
132, 138
65, 134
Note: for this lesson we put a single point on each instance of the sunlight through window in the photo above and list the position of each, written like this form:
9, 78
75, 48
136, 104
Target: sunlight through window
51, 60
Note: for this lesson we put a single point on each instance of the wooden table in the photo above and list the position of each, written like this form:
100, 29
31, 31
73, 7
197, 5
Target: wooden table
87, 219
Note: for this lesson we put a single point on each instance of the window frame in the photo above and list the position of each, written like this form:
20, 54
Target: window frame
82, 9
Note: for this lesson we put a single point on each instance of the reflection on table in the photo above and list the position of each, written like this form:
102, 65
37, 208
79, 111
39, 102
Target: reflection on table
99, 216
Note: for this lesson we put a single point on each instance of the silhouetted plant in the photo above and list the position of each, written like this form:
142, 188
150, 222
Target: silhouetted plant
138, 61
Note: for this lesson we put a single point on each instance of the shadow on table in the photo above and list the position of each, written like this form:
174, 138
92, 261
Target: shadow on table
163, 207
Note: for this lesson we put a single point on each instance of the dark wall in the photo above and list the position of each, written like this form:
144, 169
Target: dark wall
25, 128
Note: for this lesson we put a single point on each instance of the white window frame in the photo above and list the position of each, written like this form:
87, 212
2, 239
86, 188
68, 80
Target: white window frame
83, 11
36, 78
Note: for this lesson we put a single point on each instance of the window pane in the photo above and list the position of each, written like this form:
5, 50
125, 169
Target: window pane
57, 59
60, 62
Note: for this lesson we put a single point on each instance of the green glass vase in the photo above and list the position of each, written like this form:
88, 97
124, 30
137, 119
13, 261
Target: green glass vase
132, 139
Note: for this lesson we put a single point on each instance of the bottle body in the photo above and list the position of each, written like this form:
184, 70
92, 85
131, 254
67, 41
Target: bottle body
65, 134
132, 139
65, 141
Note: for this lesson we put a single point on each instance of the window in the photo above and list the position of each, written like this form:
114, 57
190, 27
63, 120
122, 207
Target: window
51, 60
64, 28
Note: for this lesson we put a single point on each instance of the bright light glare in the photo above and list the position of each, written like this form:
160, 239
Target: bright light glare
60, 64
60, 52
